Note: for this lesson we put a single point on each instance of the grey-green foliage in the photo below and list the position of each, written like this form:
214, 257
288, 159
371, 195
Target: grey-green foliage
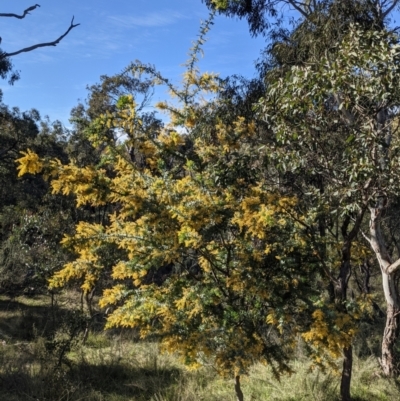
337, 146
30, 250
30, 217
336, 117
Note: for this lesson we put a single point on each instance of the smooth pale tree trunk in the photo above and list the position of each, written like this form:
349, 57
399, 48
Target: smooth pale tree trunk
389, 272
390, 335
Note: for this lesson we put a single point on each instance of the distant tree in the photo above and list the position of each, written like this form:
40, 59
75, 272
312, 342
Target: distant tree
6, 66
29, 215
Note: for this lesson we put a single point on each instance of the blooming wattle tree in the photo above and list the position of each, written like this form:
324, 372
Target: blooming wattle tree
215, 256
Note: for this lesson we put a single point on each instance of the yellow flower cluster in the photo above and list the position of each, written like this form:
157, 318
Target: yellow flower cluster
29, 163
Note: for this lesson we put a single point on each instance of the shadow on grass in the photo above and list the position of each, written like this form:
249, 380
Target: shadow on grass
24, 320
31, 370
21, 322
127, 381
89, 382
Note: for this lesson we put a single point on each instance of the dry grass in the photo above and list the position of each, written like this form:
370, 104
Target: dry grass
116, 367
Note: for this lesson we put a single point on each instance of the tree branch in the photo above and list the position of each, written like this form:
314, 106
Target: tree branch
294, 4
54, 43
365, 236
26, 12
393, 267
388, 10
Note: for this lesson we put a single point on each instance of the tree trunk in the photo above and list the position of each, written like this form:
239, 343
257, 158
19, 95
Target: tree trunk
389, 272
238, 390
340, 285
341, 296
391, 332
346, 373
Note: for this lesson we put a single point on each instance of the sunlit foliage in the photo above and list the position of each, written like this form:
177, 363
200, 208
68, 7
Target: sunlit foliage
215, 264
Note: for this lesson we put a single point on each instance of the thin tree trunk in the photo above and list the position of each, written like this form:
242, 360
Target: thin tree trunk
341, 296
346, 373
238, 390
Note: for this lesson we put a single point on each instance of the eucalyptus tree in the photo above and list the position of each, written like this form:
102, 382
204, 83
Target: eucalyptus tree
335, 119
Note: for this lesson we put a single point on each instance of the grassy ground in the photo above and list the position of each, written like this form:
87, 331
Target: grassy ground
116, 367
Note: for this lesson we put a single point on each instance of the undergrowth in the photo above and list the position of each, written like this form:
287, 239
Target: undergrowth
117, 367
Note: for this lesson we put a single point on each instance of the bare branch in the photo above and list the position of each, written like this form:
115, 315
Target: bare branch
26, 12
296, 6
365, 236
393, 267
54, 43
390, 9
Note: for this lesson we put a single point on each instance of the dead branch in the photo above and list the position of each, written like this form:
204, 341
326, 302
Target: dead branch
26, 12
298, 6
389, 9
54, 43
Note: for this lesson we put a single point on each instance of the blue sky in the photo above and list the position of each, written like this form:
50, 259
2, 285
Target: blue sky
111, 35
